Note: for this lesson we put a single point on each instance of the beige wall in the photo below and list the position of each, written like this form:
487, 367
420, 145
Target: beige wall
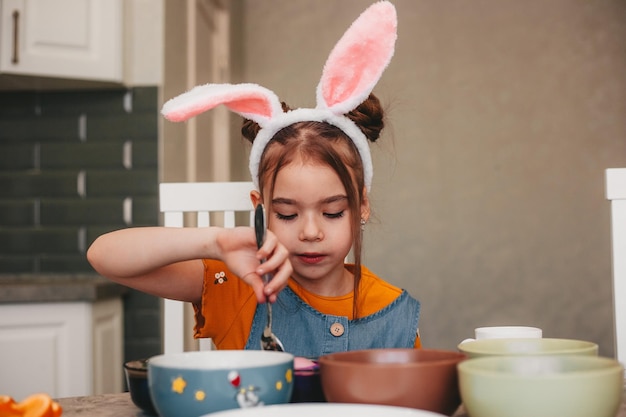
488, 186
193, 56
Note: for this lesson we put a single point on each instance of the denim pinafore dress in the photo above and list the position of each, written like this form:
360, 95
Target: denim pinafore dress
306, 332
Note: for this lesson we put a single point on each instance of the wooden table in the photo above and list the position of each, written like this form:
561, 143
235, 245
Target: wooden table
120, 405
107, 405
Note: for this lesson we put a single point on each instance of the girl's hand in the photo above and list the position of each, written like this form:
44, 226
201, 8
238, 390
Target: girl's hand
238, 250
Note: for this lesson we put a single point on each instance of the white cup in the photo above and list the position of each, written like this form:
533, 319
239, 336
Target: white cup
501, 332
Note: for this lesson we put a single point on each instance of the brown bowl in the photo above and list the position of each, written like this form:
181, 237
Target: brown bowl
425, 379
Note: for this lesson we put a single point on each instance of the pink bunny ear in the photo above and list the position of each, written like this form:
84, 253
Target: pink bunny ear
249, 100
358, 60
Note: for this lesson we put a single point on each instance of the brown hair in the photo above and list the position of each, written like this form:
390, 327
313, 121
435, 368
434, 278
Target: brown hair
337, 151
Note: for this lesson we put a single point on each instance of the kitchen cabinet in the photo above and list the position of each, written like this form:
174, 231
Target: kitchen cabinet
63, 347
68, 39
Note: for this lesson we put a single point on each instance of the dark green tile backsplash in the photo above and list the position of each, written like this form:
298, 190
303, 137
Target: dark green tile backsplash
37, 128
73, 165
17, 185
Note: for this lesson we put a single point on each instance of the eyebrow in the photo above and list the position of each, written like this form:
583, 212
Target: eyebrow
327, 200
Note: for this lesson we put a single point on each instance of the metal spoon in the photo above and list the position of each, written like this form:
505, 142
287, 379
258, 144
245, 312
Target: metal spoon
269, 341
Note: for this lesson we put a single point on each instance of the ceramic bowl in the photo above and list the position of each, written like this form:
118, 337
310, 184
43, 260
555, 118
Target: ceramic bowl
326, 410
191, 384
541, 386
530, 346
136, 373
425, 379
307, 386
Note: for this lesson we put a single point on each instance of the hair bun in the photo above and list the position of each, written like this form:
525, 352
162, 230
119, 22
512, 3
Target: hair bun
250, 129
369, 117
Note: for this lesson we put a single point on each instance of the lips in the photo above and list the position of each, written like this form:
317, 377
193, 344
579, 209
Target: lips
311, 258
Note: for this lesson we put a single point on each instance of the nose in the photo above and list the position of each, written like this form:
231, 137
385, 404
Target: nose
311, 229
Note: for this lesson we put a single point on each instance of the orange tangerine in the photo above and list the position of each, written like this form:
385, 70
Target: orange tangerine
36, 405
57, 410
6, 400
7, 406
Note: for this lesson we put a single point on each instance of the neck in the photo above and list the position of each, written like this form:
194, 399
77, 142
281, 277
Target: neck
339, 282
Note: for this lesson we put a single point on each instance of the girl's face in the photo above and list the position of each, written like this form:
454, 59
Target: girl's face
309, 214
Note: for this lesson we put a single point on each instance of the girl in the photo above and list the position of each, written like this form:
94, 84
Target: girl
312, 170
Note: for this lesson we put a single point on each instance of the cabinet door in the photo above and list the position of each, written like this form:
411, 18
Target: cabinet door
108, 356
45, 347
78, 39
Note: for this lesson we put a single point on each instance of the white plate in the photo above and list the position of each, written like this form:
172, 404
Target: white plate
325, 410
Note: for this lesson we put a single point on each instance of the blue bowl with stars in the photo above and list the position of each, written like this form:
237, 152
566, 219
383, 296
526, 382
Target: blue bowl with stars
192, 384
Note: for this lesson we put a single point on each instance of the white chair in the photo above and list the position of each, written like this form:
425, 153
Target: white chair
201, 199
616, 193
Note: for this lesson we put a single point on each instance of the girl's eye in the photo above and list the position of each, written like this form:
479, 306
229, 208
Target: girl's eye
336, 215
285, 216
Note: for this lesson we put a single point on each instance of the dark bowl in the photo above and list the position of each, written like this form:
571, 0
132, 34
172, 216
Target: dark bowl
137, 380
307, 386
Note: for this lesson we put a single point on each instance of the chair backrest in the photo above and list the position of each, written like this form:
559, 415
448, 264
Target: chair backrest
201, 199
616, 193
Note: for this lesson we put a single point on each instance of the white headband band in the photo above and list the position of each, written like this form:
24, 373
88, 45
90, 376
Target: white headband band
352, 69
283, 120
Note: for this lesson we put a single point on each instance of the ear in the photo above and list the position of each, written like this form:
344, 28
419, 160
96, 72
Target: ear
249, 100
365, 206
358, 60
255, 197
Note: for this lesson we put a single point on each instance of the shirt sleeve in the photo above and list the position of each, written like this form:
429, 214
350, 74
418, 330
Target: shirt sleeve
418, 340
227, 307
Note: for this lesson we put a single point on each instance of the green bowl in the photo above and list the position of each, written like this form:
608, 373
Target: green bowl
541, 386
532, 346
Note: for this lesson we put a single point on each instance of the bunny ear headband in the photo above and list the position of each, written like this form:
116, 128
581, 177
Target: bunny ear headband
351, 71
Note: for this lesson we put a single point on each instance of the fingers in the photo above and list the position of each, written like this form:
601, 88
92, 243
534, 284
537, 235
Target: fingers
279, 281
272, 253
257, 285
263, 292
276, 263
269, 246
269, 291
